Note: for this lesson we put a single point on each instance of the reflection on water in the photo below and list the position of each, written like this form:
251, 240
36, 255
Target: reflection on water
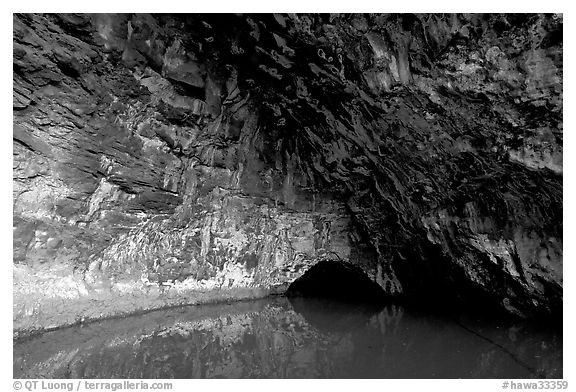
296, 338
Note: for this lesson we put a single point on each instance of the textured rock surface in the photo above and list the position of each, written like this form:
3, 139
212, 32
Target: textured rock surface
160, 156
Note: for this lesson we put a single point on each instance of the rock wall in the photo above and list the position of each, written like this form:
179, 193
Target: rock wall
157, 157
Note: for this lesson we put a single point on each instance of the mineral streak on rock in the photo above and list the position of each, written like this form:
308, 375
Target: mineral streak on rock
158, 156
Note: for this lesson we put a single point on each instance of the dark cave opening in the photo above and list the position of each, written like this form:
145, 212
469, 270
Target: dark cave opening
336, 280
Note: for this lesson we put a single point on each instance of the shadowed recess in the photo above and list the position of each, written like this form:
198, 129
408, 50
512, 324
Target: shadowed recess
332, 279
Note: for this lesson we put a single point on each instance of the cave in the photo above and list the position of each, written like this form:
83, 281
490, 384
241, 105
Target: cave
336, 280
167, 160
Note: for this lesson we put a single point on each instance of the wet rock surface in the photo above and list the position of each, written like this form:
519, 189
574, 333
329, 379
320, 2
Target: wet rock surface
159, 156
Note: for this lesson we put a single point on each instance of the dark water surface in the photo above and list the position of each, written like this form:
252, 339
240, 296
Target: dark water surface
296, 338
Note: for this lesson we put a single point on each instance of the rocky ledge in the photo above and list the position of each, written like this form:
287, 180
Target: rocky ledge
172, 159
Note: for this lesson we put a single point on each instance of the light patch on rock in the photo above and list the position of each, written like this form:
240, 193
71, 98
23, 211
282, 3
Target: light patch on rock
104, 192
